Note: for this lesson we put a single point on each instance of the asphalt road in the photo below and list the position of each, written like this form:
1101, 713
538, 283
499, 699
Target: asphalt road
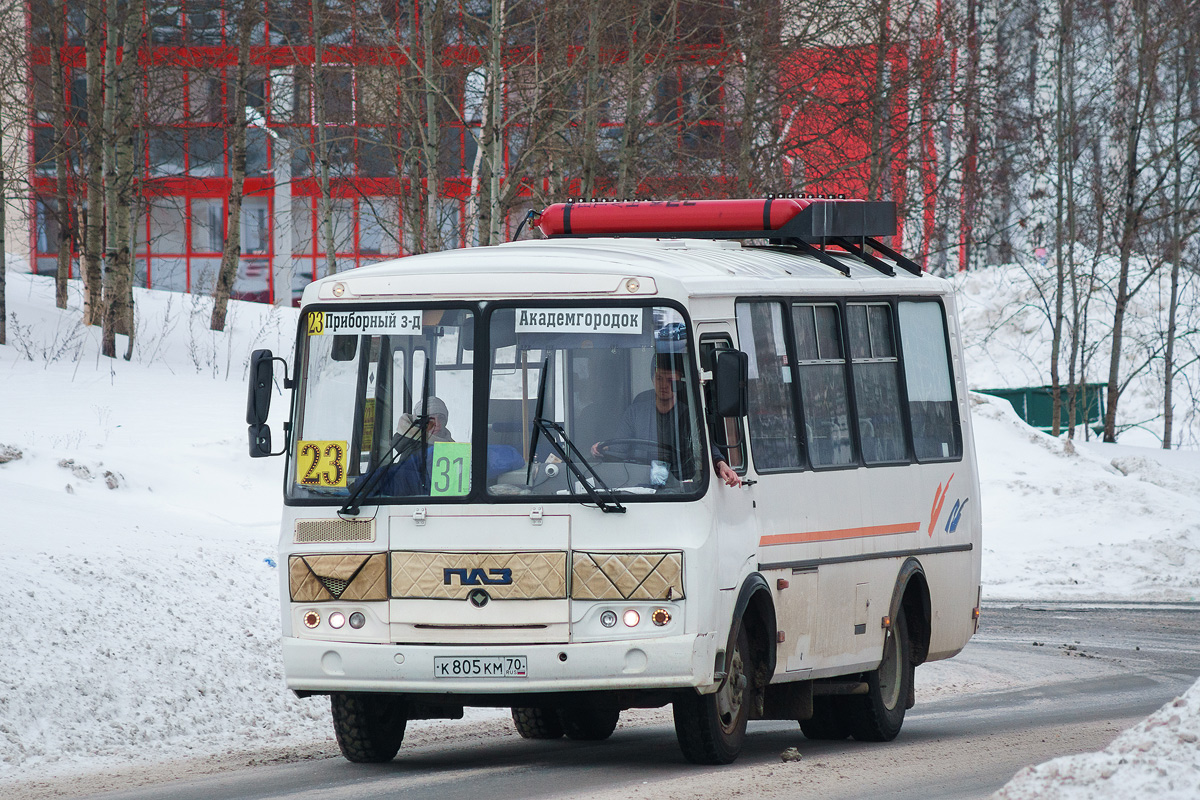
1005, 704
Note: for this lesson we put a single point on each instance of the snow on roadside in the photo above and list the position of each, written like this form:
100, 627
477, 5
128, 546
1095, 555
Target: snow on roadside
1159, 757
1083, 521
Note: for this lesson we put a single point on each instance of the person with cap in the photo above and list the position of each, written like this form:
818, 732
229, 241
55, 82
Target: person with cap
435, 425
661, 415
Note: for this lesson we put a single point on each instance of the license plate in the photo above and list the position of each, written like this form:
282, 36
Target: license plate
480, 667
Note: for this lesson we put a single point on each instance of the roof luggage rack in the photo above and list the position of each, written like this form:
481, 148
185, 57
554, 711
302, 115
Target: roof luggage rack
808, 225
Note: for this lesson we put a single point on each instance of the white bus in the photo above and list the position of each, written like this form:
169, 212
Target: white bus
711, 454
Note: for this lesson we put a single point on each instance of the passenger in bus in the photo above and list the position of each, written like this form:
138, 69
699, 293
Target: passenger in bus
435, 425
661, 415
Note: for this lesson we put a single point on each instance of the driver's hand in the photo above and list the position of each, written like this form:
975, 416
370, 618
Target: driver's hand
726, 473
596, 449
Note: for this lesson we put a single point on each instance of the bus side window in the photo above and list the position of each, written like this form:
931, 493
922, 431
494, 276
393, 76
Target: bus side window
824, 399
772, 419
726, 432
931, 406
876, 383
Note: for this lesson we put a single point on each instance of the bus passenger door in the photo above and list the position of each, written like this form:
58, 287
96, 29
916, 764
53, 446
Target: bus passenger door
736, 528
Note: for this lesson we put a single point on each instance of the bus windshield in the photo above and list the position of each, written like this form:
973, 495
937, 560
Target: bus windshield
615, 408
369, 399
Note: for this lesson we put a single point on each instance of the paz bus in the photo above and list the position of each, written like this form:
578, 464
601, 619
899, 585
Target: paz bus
715, 455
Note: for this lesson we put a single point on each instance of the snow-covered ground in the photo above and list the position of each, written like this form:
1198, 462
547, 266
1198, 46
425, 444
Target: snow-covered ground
138, 540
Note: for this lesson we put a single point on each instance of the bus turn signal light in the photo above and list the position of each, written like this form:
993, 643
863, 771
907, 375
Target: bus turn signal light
660, 617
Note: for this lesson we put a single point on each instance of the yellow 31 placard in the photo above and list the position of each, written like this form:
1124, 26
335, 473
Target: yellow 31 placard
321, 464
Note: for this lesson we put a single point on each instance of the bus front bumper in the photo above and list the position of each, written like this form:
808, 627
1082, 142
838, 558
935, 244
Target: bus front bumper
668, 663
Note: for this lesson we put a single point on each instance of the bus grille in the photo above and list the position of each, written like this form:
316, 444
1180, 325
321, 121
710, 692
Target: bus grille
310, 531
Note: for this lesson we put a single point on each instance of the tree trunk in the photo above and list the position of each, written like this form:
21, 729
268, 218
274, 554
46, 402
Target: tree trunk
321, 122
431, 141
62, 201
119, 180
3, 241
236, 126
93, 240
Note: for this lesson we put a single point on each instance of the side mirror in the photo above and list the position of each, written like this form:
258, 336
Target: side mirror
258, 400
260, 441
730, 378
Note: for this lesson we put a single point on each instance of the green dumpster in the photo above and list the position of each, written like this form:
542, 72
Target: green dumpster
1035, 405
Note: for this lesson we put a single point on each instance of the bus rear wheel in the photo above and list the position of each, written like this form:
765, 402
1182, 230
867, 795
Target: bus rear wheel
537, 723
878, 715
369, 727
588, 724
711, 728
829, 721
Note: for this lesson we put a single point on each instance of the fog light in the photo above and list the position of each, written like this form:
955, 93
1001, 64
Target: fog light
337, 619
357, 620
631, 618
660, 617
608, 619
312, 619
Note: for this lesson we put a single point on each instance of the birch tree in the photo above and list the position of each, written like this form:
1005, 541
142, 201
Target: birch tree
235, 127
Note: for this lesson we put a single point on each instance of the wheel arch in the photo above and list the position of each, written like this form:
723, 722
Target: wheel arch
755, 608
911, 593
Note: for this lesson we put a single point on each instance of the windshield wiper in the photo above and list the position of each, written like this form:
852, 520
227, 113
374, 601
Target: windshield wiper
410, 444
371, 479
564, 447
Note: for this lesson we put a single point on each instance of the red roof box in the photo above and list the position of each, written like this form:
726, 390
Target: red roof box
809, 219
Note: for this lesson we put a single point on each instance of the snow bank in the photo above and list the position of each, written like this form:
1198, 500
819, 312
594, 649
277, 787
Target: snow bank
1159, 757
1083, 521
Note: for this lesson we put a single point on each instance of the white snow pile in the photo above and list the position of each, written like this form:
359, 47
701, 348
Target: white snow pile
1067, 520
137, 539
1159, 757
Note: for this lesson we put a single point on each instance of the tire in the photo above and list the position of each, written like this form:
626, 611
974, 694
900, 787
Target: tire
588, 724
829, 721
369, 727
711, 728
878, 715
537, 723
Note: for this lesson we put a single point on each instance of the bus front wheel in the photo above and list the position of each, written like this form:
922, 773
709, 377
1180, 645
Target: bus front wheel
369, 727
878, 715
537, 723
711, 728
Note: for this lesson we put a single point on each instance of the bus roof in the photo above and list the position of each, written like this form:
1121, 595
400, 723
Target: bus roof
597, 266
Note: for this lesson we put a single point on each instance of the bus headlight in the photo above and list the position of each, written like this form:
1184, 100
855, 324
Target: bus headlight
631, 618
608, 619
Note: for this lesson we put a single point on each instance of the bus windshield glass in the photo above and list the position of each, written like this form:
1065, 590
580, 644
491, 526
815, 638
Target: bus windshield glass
370, 405
615, 407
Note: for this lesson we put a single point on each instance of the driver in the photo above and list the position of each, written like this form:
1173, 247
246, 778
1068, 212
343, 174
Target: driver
661, 415
435, 425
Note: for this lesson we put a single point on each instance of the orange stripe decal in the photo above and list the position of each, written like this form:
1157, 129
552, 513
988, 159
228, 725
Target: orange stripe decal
843, 533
